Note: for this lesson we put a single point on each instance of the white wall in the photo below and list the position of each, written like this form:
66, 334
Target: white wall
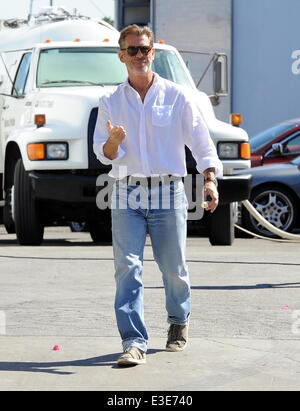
264, 87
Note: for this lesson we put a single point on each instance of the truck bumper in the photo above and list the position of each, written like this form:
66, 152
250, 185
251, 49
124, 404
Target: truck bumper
77, 188
234, 188
65, 188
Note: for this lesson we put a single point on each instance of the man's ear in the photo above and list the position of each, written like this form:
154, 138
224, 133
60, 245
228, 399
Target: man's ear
153, 54
121, 56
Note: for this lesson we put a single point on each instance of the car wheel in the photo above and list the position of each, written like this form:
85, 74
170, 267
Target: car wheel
277, 205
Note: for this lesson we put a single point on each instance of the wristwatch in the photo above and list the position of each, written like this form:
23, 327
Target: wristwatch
212, 179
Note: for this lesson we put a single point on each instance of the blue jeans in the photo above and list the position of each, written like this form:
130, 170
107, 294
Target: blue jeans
166, 225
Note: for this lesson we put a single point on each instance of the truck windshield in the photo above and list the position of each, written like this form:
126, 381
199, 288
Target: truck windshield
88, 66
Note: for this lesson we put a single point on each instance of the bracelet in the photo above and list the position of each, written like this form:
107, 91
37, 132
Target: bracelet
212, 179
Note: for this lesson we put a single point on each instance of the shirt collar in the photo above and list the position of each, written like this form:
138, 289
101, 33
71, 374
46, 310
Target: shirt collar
156, 80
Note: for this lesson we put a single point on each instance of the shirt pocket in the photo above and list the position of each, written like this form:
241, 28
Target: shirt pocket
161, 115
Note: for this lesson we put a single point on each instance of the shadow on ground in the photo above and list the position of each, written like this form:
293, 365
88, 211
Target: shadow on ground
56, 367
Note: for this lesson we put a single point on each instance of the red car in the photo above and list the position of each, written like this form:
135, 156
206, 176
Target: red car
278, 144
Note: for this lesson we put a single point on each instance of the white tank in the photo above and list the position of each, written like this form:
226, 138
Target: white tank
66, 30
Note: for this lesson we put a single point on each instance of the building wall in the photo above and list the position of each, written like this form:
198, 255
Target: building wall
194, 24
266, 62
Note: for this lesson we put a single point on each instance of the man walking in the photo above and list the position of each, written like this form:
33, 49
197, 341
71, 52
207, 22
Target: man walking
142, 129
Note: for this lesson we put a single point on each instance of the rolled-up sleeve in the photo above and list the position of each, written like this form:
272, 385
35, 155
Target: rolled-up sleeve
198, 140
101, 134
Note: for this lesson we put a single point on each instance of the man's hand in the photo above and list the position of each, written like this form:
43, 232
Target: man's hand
210, 190
116, 136
116, 133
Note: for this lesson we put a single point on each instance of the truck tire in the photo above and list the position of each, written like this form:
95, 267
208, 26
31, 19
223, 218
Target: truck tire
221, 227
8, 221
29, 228
100, 228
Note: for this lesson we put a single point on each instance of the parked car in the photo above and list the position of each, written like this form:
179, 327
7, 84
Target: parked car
275, 193
278, 144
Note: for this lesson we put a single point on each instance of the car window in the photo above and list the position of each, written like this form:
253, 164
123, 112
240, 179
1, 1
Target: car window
21, 76
293, 145
268, 135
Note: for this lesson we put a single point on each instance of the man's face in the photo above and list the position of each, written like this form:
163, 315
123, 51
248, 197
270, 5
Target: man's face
140, 64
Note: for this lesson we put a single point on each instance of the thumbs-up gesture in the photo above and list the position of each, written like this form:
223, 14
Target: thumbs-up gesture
116, 136
116, 133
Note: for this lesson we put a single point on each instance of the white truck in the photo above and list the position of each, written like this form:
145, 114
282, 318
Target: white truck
53, 70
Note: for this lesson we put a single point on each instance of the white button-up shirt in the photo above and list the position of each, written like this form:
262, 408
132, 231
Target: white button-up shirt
157, 131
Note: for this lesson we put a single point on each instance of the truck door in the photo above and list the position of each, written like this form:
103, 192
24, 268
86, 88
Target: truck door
14, 109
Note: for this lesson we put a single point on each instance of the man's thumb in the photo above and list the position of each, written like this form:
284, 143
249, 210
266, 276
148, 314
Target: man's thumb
109, 125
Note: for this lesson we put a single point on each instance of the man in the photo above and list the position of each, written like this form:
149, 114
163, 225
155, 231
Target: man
142, 129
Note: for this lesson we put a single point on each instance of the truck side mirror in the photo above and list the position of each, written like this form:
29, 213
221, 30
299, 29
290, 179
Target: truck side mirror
220, 74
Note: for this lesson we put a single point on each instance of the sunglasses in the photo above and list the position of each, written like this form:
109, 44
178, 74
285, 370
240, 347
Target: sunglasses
133, 51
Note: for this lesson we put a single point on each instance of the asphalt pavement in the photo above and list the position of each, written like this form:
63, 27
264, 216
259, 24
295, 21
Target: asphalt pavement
58, 331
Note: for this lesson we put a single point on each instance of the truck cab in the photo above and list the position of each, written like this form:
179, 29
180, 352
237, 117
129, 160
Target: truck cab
53, 74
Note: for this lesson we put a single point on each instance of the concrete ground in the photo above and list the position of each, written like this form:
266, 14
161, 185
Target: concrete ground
244, 328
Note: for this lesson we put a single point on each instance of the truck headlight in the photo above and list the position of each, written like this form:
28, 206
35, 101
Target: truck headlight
56, 151
228, 150
47, 151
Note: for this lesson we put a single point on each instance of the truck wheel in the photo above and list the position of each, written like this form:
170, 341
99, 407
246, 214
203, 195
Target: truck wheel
100, 229
29, 228
8, 221
221, 227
